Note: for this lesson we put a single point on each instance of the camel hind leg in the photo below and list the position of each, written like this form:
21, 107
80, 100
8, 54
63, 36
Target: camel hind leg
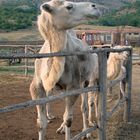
38, 92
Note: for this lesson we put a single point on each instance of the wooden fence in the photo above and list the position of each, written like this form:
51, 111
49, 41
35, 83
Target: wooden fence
102, 88
33, 47
20, 49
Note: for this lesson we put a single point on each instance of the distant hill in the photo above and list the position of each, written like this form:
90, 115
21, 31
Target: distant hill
111, 4
21, 14
127, 15
17, 14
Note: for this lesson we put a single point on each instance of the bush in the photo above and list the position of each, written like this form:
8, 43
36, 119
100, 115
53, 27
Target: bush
13, 16
113, 19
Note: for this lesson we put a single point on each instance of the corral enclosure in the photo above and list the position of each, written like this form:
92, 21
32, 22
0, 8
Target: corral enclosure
18, 86
21, 124
58, 109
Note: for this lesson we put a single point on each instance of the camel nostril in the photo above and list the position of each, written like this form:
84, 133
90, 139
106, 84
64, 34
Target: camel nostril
93, 5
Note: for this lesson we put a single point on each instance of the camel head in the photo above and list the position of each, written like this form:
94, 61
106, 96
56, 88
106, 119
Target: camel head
121, 55
65, 15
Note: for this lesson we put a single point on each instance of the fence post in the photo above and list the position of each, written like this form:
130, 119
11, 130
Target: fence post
127, 106
102, 95
26, 61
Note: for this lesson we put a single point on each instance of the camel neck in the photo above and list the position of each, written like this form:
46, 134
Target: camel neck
57, 39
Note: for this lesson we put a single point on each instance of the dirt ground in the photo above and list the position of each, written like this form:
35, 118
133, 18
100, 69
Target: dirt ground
21, 124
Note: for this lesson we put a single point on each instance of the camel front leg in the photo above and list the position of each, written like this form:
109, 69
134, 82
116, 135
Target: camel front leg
37, 91
49, 114
68, 117
48, 91
61, 129
41, 121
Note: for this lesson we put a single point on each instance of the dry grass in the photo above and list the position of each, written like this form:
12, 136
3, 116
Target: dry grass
31, 34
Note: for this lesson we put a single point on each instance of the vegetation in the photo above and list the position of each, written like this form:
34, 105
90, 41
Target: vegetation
17, 14
15, 70
20, 14
128, 15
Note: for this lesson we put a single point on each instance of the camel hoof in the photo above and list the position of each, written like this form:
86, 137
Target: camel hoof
88, 136
110, 100
49, 121
60, 130
50, 117
83, 138
91, 124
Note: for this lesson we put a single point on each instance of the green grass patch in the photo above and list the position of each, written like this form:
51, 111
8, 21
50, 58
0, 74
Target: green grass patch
11, 69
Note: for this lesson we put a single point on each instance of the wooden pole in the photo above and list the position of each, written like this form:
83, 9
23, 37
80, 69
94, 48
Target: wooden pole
26, 61
102, 95
127, 106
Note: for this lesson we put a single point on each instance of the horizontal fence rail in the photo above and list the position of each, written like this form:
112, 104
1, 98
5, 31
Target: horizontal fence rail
60, 54
19, 46
47, 100
38, 42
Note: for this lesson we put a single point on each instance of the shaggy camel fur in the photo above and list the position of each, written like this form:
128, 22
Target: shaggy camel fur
115, 68
57, 16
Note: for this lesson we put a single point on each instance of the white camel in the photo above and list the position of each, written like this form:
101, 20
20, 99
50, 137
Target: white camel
115, 68
57, 16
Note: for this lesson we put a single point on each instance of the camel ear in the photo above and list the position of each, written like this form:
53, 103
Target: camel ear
47, 8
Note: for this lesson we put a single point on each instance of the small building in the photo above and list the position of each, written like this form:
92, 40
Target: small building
115, 36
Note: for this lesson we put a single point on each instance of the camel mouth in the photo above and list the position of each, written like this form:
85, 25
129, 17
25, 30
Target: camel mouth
95, 15
92, 17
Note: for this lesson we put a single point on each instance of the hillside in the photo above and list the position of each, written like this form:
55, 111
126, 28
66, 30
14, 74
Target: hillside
17, 14
113, 4
128, 15
21, 14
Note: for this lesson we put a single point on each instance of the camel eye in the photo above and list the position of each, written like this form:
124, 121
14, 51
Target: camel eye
69, 7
